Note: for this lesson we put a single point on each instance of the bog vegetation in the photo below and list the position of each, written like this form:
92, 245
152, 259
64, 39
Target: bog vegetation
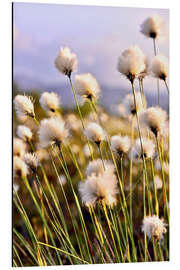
91, 187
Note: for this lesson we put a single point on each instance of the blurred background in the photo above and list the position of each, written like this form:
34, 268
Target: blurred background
98, 35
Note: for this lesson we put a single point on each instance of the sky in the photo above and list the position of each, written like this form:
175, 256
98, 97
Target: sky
98, 35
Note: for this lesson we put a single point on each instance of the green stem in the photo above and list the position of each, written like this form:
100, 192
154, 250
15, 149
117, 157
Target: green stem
80, 114
166, 86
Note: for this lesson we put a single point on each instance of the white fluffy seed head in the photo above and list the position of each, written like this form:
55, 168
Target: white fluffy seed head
94, 132
66, 61
131, 63
42, 154
137, 150
31, 160
100, 188
158, 182
160, 67
153, 226
155, 119
87, 86
73, 123
24, 133
87, 152
130, 106
121, 110
20, 168
50, 102
24, 106
19, 147
152, 27
52, 131
62, 179
96, 167
120, 144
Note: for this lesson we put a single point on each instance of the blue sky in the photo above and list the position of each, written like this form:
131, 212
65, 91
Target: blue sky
97, 35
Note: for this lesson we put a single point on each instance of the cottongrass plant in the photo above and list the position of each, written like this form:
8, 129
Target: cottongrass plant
155, 119
50, 102
101, 187
24, 106
153, 226
52, 132
86, 86
88, 182
153, 27
24, 133
66, 61
160, 68
19, 147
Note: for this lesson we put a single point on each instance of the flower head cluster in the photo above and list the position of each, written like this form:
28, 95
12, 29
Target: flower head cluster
24, 133
87, 150
31, 161
155, 119
120, 144
24, 106
62, 179
132, 63
152, 27
52, 131
96, 167
129, 104
160, 67
146, 149
66, 61
94, 133
153, 226
19, 167
100, 188
19, 147
50, 102
86, 86
73, 123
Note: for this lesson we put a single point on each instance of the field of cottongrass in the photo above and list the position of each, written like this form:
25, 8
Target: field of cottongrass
91, 187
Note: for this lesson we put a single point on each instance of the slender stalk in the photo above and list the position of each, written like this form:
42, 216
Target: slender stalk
144, 163
100, 152
163, 178
79, 111
155, 191
167, 88
155, 53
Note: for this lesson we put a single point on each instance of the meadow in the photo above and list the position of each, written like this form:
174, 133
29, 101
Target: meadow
90, 186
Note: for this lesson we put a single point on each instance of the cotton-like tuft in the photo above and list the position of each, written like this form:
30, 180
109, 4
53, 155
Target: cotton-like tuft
94, 132
24, 133
153, 226
19, 147
20, 168
62, 179
129, 104
96, 167
132, 63
87, 150
50, 102
31, 160
24, 106
137, 150
87, 86
152, 27
120, 144
100, 188
155, 119
53, 132
66, 61
160, 67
